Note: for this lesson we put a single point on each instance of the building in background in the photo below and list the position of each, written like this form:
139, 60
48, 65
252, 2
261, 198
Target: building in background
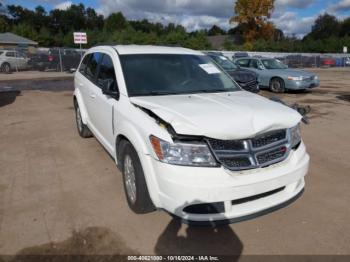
11, 41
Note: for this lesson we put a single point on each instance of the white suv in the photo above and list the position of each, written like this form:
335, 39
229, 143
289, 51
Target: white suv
12, 60
186, 137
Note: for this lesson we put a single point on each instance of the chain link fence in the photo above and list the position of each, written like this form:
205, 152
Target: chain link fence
299, 60
67, 59
40, 59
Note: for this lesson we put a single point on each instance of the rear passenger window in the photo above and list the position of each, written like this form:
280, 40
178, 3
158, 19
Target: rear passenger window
10, 54
107, 72
243, 62
254, 64
91, 68
84, 64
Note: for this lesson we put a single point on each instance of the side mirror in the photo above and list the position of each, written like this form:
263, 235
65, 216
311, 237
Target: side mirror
110, 88
72, 70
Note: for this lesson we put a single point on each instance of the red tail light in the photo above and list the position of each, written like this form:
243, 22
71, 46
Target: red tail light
50, 58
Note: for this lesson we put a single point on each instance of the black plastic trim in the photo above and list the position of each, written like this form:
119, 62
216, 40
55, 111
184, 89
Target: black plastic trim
240, 219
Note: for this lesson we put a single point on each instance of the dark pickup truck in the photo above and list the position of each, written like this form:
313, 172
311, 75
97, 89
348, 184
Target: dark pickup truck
52, 60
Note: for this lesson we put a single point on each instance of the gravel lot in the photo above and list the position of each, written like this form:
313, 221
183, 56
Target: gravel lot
60, 194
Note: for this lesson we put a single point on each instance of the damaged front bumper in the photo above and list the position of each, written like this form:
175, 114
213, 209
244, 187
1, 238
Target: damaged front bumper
219, 195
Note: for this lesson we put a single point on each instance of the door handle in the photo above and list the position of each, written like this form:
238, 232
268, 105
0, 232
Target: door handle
92, 95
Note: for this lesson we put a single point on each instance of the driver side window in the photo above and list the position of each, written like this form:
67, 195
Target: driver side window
106, 72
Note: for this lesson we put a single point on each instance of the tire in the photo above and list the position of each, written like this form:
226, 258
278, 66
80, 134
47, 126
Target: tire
83, 130
6, 68
277, 85
135, 187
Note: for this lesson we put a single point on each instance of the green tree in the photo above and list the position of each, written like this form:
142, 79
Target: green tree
325, 26
216, 30
115, 22
345, 27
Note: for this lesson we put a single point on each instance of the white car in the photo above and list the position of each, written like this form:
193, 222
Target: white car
186, 137
12, 60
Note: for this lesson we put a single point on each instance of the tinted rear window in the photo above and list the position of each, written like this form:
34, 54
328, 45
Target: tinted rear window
243, 62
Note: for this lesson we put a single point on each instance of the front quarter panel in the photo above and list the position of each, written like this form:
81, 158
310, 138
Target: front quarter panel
134, 124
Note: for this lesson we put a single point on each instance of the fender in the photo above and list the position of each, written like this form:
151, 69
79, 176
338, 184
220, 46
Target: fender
129, 131
80, 101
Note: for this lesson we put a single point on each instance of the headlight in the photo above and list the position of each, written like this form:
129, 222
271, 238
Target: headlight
316, 77
295, 136
295, 78
185, 154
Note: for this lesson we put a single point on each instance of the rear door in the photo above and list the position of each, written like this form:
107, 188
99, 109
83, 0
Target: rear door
10, 57
90, 87
21, 61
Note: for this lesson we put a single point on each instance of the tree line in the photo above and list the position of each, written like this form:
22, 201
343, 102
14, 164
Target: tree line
328, 34
55, 28
251, 29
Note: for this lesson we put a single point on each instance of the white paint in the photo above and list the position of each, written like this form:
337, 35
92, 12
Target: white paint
232, 115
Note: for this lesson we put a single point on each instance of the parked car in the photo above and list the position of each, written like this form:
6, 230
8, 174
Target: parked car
54, 58
186, 137
43, 61
248, 80
240, 55
328, 62
12, 60
276, 76
347, 61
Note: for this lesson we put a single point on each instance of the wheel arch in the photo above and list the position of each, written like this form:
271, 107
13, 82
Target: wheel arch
140, 146
277, 77
77, 98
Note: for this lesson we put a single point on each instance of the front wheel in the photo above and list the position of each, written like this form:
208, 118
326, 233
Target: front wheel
277, 85
135, 186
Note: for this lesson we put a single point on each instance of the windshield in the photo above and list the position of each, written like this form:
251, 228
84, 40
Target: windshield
273, 64
165, 74
224, 62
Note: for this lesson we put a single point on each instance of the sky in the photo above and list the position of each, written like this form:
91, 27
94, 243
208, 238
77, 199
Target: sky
294, 17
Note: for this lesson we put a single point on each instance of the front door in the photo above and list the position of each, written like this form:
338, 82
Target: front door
105, 106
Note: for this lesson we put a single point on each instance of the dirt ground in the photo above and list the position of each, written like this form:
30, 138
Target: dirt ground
60, 194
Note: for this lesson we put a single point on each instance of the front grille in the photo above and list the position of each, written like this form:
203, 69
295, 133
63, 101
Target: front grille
269, 138
237, 162
271, 155
226, 144
260, 151
251, 84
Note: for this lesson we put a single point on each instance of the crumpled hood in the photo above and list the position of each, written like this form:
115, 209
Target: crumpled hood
234, 115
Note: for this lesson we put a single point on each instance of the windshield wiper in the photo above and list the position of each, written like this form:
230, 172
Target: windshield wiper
161, 93
213, 90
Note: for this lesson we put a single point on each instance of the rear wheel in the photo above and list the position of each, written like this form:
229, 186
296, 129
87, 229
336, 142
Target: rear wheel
6, 68
277, 85
135, 186
83, 130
